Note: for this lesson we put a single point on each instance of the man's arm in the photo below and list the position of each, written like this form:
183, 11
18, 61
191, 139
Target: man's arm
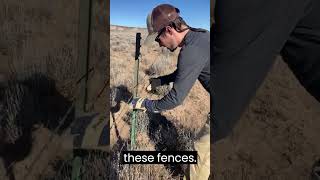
190, 65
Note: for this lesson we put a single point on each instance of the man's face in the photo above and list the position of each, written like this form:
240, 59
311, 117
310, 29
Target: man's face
167, 39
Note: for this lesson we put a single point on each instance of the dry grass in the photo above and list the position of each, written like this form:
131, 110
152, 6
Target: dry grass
95, 165
25, 46
13, 98
142, 172
137, 171
24, 54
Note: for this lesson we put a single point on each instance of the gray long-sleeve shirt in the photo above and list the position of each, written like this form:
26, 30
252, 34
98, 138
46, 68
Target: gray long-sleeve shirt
193, 64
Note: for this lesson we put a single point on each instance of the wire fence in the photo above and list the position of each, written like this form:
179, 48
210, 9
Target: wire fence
142, 84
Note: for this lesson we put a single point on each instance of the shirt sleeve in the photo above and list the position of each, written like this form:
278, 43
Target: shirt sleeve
190, 64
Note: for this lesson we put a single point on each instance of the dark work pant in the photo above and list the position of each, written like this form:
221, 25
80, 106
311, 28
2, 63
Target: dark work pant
247, 37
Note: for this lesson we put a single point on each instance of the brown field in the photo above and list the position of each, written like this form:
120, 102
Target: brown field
277, 137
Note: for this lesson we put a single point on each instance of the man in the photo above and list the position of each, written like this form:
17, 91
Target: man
166, 27
247, 37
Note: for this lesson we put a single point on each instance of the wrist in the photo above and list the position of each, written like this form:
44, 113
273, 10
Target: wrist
148, 104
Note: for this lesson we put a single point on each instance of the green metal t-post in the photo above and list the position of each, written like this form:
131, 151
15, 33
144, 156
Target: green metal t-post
135, 93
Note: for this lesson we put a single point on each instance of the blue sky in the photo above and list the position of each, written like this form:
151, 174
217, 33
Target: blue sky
133, 13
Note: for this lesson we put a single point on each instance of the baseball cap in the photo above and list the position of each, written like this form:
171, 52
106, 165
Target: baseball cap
160, 17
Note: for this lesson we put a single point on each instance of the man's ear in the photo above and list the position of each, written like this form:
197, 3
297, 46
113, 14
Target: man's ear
170, 30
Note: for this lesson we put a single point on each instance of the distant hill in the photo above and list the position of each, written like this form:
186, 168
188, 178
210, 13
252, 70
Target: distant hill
121, 28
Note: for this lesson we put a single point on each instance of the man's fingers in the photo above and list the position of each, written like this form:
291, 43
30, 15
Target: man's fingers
137, 104
149, 88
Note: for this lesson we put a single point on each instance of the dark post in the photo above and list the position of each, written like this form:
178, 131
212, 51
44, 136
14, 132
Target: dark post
83, 52
135, 94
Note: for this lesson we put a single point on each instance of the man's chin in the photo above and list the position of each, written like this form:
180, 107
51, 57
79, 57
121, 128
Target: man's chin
172, 50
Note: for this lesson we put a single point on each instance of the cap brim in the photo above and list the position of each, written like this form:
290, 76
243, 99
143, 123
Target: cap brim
150, 39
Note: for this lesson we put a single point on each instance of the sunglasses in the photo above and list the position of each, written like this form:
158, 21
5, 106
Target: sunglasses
159, 34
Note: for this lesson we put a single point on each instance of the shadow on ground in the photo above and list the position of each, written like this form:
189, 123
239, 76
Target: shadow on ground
27, 104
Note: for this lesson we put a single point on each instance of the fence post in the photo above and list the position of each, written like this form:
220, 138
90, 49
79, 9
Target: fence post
83, 52
83, 55
135, 93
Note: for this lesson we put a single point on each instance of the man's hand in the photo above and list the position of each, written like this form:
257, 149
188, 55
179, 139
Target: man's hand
153, 83
138, 104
